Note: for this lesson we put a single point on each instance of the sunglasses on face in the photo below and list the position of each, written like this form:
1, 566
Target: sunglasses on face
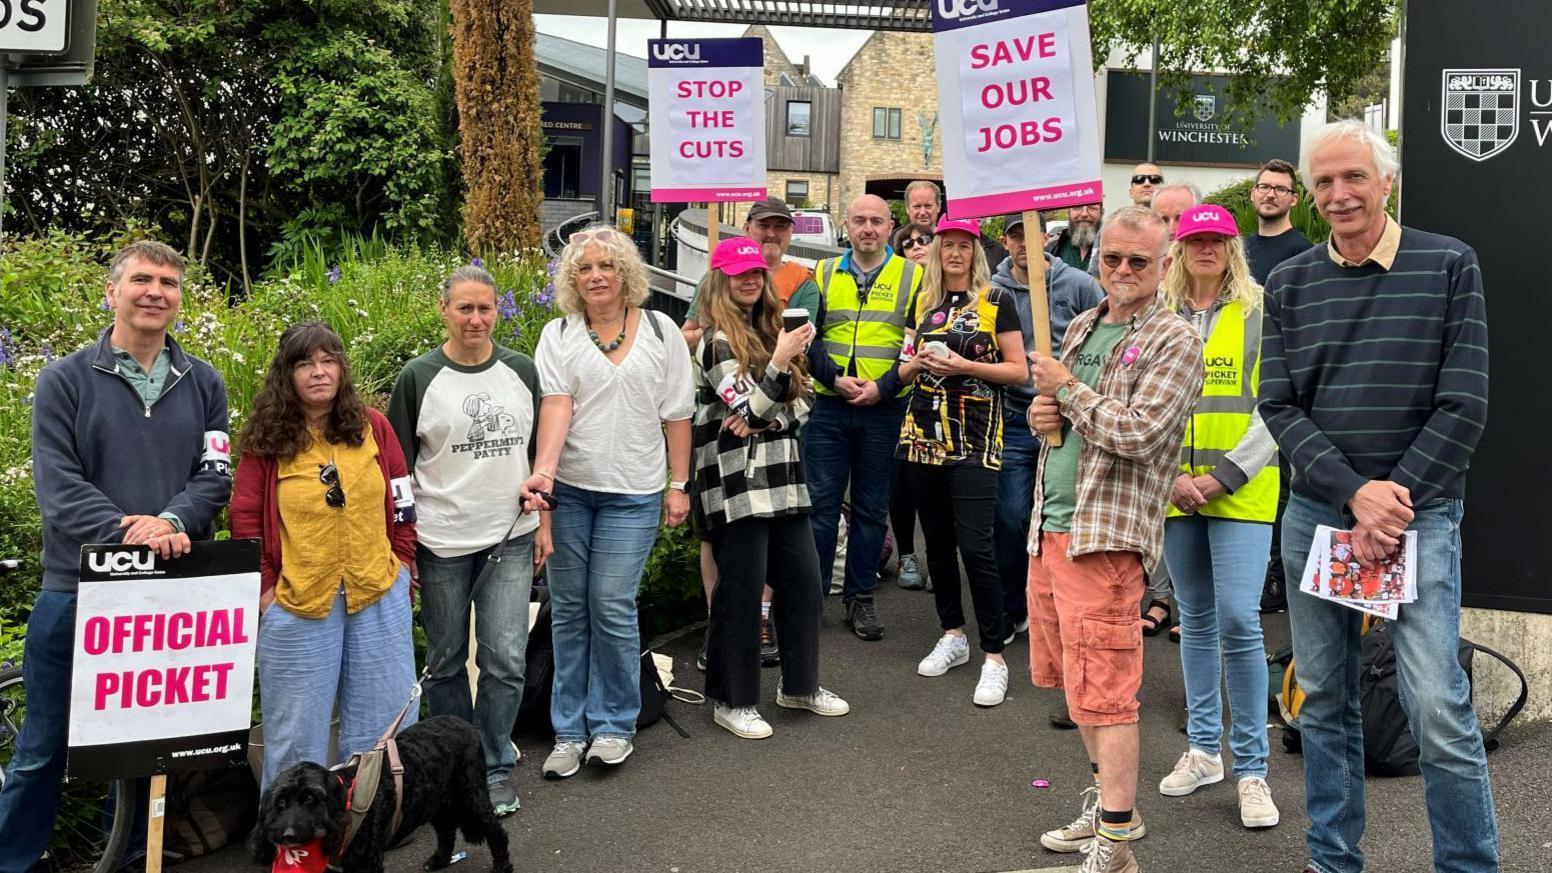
1150, 178
328, 474
1137, 263
602, 235
912, 242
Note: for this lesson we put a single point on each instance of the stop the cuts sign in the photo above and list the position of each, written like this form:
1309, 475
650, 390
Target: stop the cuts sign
1016, 95
707, 119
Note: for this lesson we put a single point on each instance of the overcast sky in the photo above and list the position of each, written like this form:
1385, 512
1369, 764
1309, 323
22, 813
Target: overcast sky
828, 48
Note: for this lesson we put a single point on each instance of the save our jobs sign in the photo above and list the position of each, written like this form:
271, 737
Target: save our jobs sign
1016, 95
706, 100
162, 671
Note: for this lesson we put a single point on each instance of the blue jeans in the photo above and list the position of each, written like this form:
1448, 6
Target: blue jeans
32, 782
1216, 565
364, 662
1434, 693
501, 632
1015, 500
851, 445
602, 542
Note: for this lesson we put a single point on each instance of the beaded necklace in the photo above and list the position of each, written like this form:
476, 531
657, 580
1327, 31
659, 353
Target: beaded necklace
607, 347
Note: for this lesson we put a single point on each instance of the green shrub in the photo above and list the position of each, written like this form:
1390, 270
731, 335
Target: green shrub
1235, 197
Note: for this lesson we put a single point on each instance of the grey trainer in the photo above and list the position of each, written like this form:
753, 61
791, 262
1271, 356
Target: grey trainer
564, 760
609, 751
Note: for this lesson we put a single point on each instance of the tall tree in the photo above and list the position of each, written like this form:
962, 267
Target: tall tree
497, 82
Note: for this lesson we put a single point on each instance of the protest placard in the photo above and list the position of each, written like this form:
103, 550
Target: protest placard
162, 672
706, 109
1016, 95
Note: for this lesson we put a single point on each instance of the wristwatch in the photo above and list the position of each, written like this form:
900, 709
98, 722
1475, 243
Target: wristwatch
680, 485
1065, 389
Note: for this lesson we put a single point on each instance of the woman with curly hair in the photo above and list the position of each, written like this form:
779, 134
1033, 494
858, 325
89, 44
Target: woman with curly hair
614, 378
752, 392
323, 483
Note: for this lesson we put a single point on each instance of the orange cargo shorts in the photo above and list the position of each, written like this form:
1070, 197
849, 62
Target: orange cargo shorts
1085, 629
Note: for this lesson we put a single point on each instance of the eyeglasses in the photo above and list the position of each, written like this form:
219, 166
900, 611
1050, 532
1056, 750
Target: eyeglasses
603, 235
912, 242
1150, 178
1137, 263
328, 474
1279, 190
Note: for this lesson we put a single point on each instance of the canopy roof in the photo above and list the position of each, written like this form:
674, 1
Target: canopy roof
914, 15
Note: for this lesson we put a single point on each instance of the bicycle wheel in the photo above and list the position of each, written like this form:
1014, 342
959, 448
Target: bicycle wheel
95, 818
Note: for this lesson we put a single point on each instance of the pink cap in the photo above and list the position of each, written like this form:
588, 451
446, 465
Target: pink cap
737, 255
1207, 218
963, 225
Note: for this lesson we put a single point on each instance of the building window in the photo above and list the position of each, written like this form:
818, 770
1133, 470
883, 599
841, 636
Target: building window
886, 123
797, 192
798, 117
563, 167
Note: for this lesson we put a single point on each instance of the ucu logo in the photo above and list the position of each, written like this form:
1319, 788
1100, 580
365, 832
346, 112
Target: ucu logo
119, 562
676, 51
961, 8
1202, 215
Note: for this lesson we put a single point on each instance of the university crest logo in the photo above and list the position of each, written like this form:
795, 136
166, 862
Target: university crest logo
1480, 111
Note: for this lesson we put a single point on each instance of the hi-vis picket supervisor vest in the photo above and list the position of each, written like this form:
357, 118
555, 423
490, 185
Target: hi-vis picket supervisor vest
1232, 355
867, 333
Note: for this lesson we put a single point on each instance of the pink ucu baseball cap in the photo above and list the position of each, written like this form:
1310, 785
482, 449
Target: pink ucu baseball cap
1207, 218
737, 255
963, 225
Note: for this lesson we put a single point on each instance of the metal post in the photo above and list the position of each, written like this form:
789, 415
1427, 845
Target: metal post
1153, 95
606, 182
5, 111
659, 238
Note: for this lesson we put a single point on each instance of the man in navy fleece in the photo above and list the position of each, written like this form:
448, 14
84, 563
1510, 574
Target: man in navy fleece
129, 444
1374, 384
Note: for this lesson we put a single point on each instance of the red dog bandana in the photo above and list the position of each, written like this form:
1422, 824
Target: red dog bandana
306, 858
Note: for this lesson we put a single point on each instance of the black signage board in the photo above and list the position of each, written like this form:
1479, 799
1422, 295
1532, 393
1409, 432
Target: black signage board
1205, 132
1476, 146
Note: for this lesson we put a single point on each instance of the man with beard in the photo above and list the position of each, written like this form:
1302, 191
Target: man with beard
1276, 192
1075, 243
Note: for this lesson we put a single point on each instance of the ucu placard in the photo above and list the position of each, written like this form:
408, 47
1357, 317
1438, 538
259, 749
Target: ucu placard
706, 102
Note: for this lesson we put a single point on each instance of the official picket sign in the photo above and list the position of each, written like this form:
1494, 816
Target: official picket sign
706, 107
162, 675
1015, 80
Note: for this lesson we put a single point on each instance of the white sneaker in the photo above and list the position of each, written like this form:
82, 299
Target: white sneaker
993, 685
1256, 809
1193, 770
821, 702
951, 651
743, 721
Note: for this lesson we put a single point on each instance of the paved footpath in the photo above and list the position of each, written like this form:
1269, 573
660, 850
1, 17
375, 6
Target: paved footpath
917, 778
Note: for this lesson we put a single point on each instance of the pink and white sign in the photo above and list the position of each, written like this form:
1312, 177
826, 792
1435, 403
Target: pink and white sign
1016, 95
706, 117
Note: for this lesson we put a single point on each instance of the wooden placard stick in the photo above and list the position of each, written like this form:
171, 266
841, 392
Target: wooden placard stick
154, 821
1039, 303
713, 220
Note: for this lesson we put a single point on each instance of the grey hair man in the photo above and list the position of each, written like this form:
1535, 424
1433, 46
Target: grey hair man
1171, 200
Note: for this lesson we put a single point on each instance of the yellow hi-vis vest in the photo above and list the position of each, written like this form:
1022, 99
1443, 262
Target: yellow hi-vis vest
1232, 358
863, 338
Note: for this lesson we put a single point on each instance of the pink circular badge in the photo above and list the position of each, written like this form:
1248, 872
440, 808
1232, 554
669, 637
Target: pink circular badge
938, 317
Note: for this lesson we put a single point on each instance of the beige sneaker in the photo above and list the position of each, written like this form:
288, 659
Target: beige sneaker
1104, 856
1080, 832
1193, 770
1256, 809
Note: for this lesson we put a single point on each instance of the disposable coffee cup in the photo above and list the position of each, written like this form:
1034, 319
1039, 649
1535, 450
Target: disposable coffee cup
792, 319
937, 348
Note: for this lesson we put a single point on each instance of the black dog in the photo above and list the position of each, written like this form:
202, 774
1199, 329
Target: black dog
444, 784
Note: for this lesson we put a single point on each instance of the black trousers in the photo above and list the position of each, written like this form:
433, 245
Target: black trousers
902, 512
958, 509
745, 550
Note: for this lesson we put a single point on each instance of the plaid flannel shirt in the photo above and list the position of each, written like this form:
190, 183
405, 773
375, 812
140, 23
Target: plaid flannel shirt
756, 477
1132, 424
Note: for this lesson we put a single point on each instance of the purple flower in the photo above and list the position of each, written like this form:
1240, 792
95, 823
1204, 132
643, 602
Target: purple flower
476, 262
103, 305
48, 352
334, 274
545, 297
552, 267
7, 348
507, 306
178, 326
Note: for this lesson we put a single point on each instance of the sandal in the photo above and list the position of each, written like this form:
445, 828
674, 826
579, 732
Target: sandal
1150, 625
1174, 633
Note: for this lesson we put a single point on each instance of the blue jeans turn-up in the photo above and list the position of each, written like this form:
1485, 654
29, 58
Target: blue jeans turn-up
364, 662
851, 445
501, 633
1216, 565
1435, 694
602, 542
1015, 500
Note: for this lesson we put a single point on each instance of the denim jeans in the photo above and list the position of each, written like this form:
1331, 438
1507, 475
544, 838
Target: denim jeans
501, 634
364, 662
1216, 565
30, 800
602, 542
1435, 694
851, 445
1015, 499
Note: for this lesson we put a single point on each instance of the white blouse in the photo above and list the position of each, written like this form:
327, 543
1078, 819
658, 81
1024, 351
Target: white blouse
616, 441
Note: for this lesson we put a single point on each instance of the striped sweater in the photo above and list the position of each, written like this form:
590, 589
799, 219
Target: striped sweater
1369, 373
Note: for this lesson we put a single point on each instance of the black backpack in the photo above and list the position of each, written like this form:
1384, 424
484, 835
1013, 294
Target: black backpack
1389, 749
